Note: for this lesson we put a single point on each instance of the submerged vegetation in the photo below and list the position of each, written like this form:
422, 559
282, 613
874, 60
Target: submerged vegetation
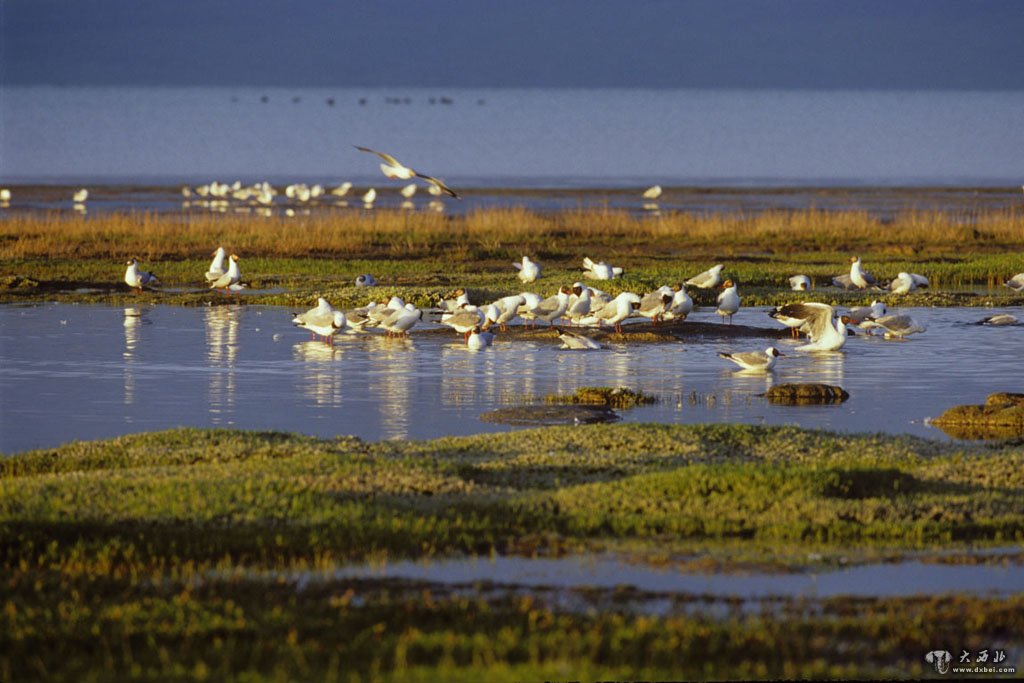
181, 554
614, 397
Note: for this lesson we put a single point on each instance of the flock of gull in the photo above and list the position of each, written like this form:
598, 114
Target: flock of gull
579, 306
263, 194
584, 307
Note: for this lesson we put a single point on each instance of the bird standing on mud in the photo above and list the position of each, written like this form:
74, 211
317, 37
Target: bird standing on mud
137, 279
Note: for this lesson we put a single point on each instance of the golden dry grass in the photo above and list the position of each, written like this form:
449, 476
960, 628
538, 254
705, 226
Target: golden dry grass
384, 234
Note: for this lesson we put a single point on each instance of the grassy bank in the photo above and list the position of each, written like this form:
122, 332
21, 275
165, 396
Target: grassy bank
176, 554
51, 255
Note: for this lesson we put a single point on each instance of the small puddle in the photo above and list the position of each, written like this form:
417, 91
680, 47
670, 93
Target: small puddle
900, 579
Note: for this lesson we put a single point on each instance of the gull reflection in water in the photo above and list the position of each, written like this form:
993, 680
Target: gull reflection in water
320, 376
610, 368
393, 372
134, 319
464, 372
222, 326
825, 368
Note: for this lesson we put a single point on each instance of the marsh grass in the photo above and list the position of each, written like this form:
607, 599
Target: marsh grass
507, 233
292, 261
178, 555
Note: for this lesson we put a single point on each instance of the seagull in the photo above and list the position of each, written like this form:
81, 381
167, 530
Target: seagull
652, 192
1016, 282
682, 304
800, 283
5, 195
491, 314
401, 321
795, 316
458, 299
528, 270
464, 320
553, 307
529, 308
709, 279
654, 305
80, 196
359, 318
754, 361
379, 313
342, 190
999, 320
229, 278
614, 312
369, 198
509, 309
579, 308
393, 168
366, 280
895, 326
728, 301
217, 265
825, 332
137, 279
859, 314
408, 191
479, 339
323, 320
860, 277
600, 270
577, 342
906, 283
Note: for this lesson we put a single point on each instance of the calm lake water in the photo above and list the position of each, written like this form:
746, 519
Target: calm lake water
512, 137
71, 372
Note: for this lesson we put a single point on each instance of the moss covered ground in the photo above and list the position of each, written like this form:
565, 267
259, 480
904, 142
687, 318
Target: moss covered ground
174, 555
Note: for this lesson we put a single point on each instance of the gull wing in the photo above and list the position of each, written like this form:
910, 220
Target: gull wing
386, 157
440, 185
700, 280
818, 318
753, 359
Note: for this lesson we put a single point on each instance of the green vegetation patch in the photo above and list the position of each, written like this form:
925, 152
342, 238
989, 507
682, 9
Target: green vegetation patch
211, 554
614, 397
1001, 417
267, 496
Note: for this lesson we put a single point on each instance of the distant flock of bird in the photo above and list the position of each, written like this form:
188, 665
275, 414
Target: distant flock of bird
584, 306
263, 194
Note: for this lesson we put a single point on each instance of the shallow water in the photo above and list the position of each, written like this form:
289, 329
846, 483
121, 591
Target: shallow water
70, 372
879, 580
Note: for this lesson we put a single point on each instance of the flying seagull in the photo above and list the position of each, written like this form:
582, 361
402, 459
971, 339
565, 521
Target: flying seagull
393, 168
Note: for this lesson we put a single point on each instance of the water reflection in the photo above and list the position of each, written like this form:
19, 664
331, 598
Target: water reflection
824, 368
391, 362
460, 380
320, 378
134, 319
222, 327
429, 385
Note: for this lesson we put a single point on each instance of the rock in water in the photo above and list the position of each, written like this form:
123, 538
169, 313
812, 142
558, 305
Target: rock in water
806, 394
